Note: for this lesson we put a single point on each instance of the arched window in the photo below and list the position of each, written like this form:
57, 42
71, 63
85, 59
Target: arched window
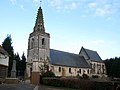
94, 66
69, 70
88, 71
43, 41
32, 43
103, 68
80, 71
59, 69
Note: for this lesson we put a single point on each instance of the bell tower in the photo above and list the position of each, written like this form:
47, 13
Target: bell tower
38, 49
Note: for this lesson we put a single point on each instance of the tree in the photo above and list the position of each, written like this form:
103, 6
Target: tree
23, 64
17, 58
108, 64
7, 45
113, 67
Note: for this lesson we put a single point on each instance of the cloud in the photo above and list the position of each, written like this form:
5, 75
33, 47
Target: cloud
22, 7
92, 5
94, 42
105, 10
86, 43
101, 11
55, 3
71, 6
74, 46
36, 1
101, 8
98, 42
64, 5
13, 1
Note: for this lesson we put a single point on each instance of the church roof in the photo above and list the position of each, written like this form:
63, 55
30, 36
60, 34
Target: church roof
39, 24
67, 59
93, 55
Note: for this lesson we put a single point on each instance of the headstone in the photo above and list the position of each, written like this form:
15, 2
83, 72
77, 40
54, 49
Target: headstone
13, 71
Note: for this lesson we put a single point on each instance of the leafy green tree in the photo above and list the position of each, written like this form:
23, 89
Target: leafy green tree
7, 45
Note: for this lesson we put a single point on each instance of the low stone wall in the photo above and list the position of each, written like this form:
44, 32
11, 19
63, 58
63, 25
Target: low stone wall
11, 80
1, 80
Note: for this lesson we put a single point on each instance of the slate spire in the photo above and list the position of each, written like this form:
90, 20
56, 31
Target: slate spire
39, 24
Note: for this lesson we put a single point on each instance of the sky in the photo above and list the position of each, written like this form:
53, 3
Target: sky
93, 24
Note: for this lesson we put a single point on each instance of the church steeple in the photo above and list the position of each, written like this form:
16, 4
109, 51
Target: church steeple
39, 24
38, 53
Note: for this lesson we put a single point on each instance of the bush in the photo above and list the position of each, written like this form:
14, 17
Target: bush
69, 83
0, 82
78, 84
53, 82
48, 74
85, 76
103, 86
95, 76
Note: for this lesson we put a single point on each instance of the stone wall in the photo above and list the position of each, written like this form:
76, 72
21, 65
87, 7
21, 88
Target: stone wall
69, 71
3, 71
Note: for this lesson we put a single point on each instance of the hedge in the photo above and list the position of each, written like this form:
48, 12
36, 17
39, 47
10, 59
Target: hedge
77, 84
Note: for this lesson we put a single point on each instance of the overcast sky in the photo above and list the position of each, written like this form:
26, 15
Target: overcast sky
93, 24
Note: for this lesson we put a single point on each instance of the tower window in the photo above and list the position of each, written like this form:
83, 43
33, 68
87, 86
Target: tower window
88, 71
69, 70
32, 43
59, 69
43, 41
80, 71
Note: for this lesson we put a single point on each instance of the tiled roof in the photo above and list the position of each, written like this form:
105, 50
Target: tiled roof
67, 59
93, 55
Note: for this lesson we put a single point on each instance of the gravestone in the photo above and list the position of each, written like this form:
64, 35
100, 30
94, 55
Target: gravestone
13, 71
12, 79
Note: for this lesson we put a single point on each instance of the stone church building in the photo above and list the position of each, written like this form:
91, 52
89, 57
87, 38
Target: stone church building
41, 58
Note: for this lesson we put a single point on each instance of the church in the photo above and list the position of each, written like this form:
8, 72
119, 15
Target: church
41, 58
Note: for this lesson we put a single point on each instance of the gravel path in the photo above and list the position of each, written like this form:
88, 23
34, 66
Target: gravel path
17, 87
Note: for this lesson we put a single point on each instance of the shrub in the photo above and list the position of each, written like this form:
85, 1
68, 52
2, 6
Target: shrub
85, 76
53, 82
78, 84
0, 82
69, 83
95, 76
48, 74
103, 86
